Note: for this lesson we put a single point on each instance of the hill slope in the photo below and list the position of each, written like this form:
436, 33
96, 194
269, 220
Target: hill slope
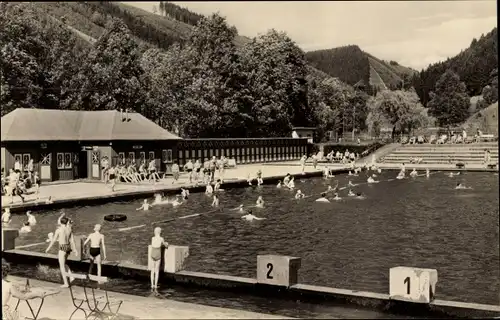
485, 120
473, 65
351, 65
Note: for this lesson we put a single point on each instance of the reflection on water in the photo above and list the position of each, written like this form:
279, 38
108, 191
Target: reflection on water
421, 222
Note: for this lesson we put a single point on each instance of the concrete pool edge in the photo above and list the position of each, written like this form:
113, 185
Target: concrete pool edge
140, 194
297, 292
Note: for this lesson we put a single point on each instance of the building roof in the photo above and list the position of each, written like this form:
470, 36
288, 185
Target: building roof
64, 125
304, 128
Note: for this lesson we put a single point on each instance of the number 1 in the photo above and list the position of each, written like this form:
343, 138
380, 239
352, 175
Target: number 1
407, 282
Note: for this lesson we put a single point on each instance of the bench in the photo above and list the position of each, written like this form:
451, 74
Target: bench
95, 300
491, 166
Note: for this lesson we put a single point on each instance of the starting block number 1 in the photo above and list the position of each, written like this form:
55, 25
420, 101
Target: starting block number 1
412, 284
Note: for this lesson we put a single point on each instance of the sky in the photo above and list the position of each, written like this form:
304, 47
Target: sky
413, 33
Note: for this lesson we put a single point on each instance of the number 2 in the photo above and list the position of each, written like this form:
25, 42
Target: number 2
407, 282
269, 270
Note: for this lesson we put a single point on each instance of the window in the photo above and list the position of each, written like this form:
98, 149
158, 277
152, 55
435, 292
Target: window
60, 160
121, 158
18, 162
68, 163
151, 155
45, 159
131, 157
26, 161
166, 155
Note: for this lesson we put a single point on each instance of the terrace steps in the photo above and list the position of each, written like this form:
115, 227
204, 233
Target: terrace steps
443, 153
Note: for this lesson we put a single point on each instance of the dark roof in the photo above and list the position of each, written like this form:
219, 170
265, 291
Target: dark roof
64, 125
304, 128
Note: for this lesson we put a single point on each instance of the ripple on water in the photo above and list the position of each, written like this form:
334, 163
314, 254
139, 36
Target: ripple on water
422, 222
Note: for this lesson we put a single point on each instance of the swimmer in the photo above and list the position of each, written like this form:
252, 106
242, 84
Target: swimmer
249, 216
329, 189
401, 175
50, 236
259, 178
158, 198
31, 218
249, 180
350, 184
63, 214
371, 180
279, 184
96, 240
215, 202
286, 179
49, 200
414, 173
356, 171
6, 216
451, 174
240, 208
359, 195
26, 228
299, 195
260, 202
145, 206
462, 186
157, 242
323, 198
403, 168
291, 183
336, 197
209, 189
350, 173
427, 173
217, 186
350, 193
184, 193
176, 202
379, 170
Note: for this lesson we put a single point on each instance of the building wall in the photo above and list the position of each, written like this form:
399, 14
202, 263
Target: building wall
161, 151
243, 150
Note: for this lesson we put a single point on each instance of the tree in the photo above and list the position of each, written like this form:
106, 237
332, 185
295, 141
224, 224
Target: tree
401, 109
111, 76
449, 102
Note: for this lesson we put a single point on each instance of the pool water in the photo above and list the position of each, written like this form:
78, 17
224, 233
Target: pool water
352, 243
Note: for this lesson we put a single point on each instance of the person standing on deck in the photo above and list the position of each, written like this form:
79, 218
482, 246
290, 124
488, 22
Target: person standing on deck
96, 240
303, 162
175, 172
196, 171
157, 242
188, 167
64, 236
315, 161
213, 167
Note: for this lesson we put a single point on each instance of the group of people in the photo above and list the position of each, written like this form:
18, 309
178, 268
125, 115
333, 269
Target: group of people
18, 182
27, 225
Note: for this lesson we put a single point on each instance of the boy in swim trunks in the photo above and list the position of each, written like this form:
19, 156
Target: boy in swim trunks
157, 242
64, 236
96, 239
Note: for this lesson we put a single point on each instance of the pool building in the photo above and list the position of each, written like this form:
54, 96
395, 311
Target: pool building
69, 144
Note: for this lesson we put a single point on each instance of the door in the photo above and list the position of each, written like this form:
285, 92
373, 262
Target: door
82, 165
96, 164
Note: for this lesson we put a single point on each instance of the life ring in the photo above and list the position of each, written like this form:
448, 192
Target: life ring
115, 217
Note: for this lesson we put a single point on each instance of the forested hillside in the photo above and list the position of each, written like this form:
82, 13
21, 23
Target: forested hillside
351, 65
473, 65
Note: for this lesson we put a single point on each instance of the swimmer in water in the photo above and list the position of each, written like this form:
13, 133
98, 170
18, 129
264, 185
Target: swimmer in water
462, 186
145, 206
240, 208
350, 173
176, 202
49, 200
249, 180
350, 193
336, 197
50, 236
158, 198
184, 193
413, 173
359, 195
209, 189
401, 175
350, 184
323, 198
279, 184
451, 174
259, 178
215, 202
260, 202
26, 228
291, 183
427, 173
96, 240
286, 179
249, 216
157, 242
371, 180
6, 216
299, 195
379, 170
31, 218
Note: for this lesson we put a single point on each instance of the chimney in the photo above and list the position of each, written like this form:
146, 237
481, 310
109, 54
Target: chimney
121, 114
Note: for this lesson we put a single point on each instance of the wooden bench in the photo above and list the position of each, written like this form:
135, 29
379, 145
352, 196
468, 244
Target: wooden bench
95, 300
491, 166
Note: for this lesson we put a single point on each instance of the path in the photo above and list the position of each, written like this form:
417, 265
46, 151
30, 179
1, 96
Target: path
59, 306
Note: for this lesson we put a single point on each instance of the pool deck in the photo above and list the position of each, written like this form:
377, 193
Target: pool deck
59, 306
73, 191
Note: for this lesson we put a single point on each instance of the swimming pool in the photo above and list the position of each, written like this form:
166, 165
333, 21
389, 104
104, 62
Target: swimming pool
352, 243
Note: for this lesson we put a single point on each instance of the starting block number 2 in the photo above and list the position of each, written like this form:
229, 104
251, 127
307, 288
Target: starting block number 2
269, 267
277, 270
